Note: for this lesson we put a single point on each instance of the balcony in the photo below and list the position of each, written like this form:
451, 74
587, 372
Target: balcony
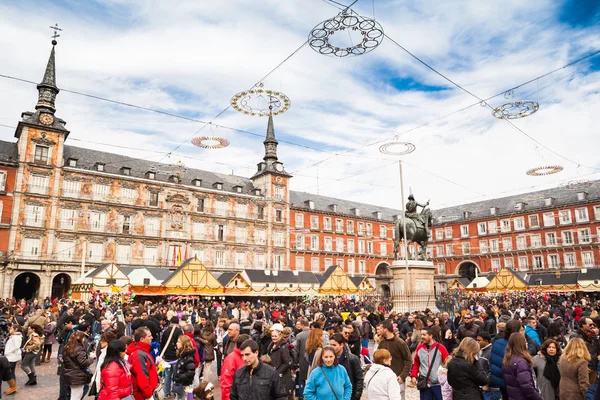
37, 189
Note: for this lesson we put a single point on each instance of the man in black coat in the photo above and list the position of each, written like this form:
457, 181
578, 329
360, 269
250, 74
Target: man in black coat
350, 362
256, 381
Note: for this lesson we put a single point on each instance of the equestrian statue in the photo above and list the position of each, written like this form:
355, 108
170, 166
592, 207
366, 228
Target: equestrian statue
418, 227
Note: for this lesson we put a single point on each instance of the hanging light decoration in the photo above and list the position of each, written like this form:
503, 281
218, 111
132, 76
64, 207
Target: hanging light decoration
210, 142
320, 36
397, 148
546, 170
260, 102
515, 109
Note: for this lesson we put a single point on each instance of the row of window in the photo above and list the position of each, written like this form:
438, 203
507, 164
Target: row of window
518, 223
362, 227
341, 245
567, 238
317, 264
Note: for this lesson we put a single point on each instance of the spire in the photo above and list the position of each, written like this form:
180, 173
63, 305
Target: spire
270, 142
47, 89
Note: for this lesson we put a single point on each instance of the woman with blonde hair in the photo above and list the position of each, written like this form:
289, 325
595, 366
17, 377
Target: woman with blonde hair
185, 369
380, 381
516, 369
573, 366
465, 374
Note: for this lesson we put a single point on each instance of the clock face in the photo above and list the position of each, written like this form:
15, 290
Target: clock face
279, 167
46, 119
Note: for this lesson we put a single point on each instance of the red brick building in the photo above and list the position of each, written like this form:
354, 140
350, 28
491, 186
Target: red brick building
8, 172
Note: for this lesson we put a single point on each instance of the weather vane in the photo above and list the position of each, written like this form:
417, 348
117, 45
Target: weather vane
55, 28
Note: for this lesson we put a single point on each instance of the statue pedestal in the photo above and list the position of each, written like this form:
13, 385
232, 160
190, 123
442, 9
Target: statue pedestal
415, 293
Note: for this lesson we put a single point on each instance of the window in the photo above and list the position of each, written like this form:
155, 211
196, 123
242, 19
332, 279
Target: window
339, 225
534, 221
259, 261
570, 260
520, 224
126, 224
509, 262
449, 250
328, 262
351, 266
100, 167
151, 199
71, 188
536, 241
199, 204
279, 192
340, 262
521, 242
3, 181
240, 259
439, 234
369, 247
38, 184
549, 219
523, 263
587, 258
448, 232
482, 228
220, 208
314, 222
299, 220
123, 253
585, 236
495, 265
581, 215
362, 269
551, 239
299, 263
241, 234
68, 218
328, 244
314, 264
339, 244
111, 281
100, 192
361, 246
65, 250
350, 245
278, 215
369, 229
327, 223
299, 242
493, 245
350, 227
261, 212
564, 216
483, 246
538, 262
146, 281
34, 215
361, 228
466, 248
382, 231
150, 255
219, 257
199, 254
505, 225
553, 261
383, 249
279, 239
220, 232
128, 195
41, 154
464, 231
567, 238
97, 221
507, 244
597, 213
260, 236
441, 268
492, 227
95, 252
314, 242
151, 226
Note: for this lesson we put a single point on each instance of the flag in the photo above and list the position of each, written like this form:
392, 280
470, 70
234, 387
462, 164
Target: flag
178, 255
174, 255
186, 252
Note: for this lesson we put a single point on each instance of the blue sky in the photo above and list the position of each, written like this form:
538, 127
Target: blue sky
191, 57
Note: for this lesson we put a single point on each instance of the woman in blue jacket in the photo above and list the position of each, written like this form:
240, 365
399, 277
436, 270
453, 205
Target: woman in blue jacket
498, 351
329, 381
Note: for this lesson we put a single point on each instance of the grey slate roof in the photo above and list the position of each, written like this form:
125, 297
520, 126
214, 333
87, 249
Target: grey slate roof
357, 280
225, 277
259, 276
97, 270
591, 274
160, 274
566, 278
8, 152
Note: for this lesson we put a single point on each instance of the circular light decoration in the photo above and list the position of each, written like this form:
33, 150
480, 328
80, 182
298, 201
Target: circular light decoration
320, 37
516, 109
576, 185
397, 148
210, 142
543, 171
260, 102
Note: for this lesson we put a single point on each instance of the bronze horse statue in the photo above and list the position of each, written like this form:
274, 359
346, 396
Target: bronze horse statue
416, 232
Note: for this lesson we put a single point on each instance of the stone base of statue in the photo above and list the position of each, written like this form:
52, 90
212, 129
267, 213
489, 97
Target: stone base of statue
415, 292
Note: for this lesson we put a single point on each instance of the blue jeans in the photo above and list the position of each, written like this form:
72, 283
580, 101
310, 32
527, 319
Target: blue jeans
492, 395
589, 395
169, 381
432, 393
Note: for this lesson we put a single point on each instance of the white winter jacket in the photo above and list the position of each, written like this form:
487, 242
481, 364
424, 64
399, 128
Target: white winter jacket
382, 383
12, 349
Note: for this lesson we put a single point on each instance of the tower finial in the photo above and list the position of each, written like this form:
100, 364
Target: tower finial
270, 142
47, 89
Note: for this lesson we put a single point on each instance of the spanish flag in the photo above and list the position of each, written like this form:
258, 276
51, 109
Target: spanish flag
178, 255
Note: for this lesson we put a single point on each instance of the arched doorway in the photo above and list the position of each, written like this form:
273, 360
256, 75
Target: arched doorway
27, 286
383, 280
60, 286
468, 269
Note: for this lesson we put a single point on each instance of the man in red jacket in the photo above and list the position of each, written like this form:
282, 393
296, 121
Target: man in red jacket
231, 363
144, 377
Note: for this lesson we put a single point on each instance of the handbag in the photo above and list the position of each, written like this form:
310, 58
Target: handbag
93, 387
89, 375
330, 385
158, 393
422, 380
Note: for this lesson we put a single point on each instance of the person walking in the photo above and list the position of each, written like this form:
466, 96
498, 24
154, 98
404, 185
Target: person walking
115, 374
380, 380
144, 377
209, 341
76, 364
300, 346
12, 352
401, 359
518, 376
329, 380
465, 373
30, 350
279, 351
546, 369
185, 369
429, 355
103, 343
314, 346
573, 367
497, 355
350, 362
168, 347
49, 339
231, 363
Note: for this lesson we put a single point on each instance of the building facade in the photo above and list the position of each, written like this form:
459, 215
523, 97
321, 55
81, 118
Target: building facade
8, 173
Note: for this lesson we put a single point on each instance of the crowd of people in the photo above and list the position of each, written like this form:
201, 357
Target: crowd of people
510, 346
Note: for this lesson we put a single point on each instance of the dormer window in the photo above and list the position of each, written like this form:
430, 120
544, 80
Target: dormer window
257, 192
493, 210
467, 214
520, 206
356, 211
377, 214
100, 167
581, 196
237, 189
396, 217
150, 175
72, 162
197, 182
126, 171
174, 179
218, 185
333, 207
310, 204
548, 201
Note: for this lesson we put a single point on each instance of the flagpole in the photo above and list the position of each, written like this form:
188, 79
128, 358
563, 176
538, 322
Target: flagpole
404, 241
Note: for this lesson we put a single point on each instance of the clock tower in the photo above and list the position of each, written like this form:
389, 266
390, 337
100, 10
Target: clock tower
273, 181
